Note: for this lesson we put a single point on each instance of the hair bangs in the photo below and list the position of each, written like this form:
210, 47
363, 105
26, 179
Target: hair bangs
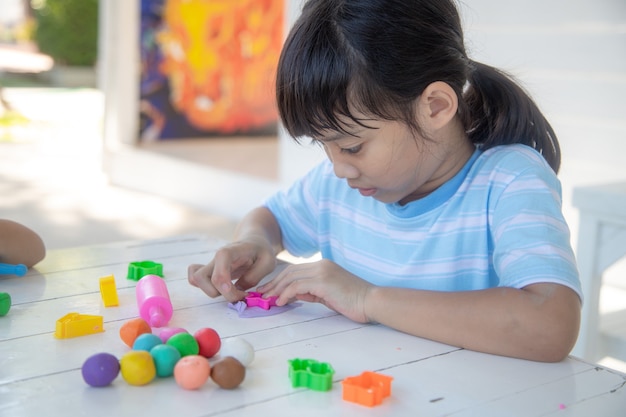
312, 81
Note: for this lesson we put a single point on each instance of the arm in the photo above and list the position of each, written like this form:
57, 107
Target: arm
19, 244
539, 322
250, 257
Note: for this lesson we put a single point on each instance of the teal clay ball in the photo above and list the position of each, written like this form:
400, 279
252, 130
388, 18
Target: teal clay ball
165, 359
146, 342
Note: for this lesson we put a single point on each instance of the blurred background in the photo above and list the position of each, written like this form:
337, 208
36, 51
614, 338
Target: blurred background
150, 118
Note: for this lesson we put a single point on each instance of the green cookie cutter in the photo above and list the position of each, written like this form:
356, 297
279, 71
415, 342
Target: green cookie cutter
137, 270
310, 373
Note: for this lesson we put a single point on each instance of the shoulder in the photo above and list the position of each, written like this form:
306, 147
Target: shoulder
513, 170
507, 164
512, 158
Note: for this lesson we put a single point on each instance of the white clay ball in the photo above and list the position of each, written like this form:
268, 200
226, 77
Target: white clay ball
239, 349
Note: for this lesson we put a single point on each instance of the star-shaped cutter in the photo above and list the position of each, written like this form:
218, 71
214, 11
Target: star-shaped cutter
255, 299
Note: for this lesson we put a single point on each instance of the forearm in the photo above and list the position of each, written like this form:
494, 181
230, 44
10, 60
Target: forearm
260, 223
538, 323
19, 244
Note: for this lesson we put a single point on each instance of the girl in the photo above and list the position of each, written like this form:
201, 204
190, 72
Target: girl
438, 212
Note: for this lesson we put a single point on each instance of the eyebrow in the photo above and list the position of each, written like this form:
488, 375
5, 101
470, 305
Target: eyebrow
332, 138
339, 135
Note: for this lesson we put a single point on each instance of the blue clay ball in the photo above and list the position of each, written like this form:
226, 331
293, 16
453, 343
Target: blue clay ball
165, 358
146, 342
100, 370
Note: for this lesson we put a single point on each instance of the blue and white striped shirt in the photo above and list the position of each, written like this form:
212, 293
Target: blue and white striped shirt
498, 222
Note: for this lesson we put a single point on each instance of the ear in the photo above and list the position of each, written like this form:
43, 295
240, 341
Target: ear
438, 105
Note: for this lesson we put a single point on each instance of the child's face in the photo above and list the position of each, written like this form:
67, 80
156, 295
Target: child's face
389, 162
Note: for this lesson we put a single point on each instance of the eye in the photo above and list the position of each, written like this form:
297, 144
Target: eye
353, 150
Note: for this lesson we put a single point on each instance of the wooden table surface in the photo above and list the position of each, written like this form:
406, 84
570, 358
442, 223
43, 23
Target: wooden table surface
41, 375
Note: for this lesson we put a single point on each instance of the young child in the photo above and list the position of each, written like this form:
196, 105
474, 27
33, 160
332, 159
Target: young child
438, 212
19, 244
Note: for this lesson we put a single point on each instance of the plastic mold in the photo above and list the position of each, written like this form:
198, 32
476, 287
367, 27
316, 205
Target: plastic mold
367, 389
137, 270
108, 291
255, 299
75, 324
310, 373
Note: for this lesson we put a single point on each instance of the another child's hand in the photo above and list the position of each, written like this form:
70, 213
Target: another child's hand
323, 282
234, 269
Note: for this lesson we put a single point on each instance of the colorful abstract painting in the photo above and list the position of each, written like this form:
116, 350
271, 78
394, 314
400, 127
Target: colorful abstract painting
208, 67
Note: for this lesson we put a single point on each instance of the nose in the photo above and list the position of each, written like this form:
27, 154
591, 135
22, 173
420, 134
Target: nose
344, 169
341, 167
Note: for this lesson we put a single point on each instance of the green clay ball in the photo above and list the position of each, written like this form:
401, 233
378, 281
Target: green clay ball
5, 303
185, 343
165, 359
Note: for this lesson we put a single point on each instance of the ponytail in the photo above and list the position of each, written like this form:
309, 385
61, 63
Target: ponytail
499, 112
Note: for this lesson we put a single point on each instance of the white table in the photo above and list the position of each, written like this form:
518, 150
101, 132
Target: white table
601, 243
40, 375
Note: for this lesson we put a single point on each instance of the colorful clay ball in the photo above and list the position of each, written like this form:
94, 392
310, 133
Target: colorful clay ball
185, 343
228, 373
132, 329
100, 370
165, 358
5, 303
137, 367
239, 349
167, 332
191, 372
146, 342
208, 341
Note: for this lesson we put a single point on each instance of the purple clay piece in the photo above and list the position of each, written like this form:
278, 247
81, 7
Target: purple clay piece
101, 369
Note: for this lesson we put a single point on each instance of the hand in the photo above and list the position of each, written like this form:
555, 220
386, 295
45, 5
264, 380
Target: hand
245, 262
322, 282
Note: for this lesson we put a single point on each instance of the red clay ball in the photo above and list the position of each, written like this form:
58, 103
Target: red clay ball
208, 341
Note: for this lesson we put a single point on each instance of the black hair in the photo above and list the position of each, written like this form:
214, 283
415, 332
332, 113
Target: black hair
378, 56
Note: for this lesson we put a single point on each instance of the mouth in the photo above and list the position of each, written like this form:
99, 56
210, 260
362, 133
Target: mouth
367, 192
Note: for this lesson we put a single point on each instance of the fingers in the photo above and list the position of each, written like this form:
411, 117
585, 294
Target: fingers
235, 267
213, 283
289, 284
225, 271
233, 270
200, 276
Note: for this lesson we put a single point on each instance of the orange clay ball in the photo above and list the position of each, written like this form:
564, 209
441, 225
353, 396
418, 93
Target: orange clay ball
133, 329
137, 367
192, 371
228, 373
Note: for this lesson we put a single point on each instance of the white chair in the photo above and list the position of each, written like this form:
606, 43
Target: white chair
601, 243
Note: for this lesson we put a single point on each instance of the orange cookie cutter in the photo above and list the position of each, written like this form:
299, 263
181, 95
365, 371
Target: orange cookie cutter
369, 388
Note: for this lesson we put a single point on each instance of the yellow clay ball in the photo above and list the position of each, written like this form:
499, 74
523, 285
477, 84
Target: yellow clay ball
137, 367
